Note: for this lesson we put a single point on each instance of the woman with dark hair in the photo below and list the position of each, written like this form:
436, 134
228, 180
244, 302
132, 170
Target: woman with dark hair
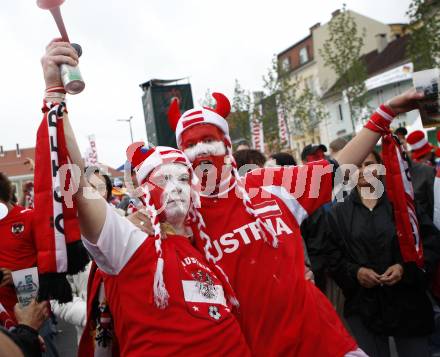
385, 296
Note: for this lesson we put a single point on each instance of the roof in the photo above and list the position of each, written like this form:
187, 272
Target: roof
377, 62
12, 165
393, 54
294, 45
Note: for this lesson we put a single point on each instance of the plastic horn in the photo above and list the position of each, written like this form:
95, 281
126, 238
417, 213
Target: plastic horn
54, 7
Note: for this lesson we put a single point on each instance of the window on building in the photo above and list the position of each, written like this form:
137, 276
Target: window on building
341, 116
286, 64
303, 55
380, 97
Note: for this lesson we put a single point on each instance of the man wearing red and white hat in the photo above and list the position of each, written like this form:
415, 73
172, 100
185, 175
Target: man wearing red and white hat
280, 312
422, 170
421, 148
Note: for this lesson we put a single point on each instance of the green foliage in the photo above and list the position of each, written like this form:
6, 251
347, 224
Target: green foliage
308, 112
208, 100
303, 109
239, 121
424, 45
342, 53
280, 92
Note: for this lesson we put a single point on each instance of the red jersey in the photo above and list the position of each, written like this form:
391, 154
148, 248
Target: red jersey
17, 249
281, 313
197, 321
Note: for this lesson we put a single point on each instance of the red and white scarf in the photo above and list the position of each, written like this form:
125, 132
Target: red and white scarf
399, 188
56, 225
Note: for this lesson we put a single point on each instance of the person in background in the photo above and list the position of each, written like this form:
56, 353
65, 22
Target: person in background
313, 227
280, 159
312, 153
385, 296
251, 157
23, 339
243, 145
401, 133
422, 151
422, 170
18, 251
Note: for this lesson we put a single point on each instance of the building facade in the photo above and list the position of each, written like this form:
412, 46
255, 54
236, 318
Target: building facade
389, 74
306, 67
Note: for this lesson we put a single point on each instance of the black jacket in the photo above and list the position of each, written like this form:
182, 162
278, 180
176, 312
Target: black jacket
422, 177
358, 237
26, 338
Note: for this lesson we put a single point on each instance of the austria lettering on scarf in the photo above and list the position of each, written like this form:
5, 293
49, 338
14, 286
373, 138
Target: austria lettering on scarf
399, 188
56, 225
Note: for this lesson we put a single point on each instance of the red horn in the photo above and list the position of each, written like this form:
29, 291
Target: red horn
223, 106
174, 113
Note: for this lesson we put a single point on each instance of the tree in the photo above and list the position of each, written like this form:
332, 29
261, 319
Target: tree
208, 101
424, 46
280, 92
308, 112
342, 53
239, 119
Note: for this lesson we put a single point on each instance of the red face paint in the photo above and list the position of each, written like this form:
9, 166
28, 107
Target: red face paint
204, 133
200, 133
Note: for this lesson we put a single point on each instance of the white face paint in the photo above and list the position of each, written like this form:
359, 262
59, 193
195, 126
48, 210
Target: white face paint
3, 210
213, 148
174, 180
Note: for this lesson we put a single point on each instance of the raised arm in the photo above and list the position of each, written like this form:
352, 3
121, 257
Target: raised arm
364, 142
91, 212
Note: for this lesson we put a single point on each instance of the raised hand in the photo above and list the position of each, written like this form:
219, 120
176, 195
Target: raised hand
57, 53
33, 315
405, 102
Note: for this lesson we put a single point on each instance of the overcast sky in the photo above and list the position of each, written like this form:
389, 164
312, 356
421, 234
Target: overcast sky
211, 42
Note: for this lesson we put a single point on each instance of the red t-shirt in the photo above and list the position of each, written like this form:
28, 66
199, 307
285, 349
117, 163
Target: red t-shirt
281, 313
17, 249
197, 321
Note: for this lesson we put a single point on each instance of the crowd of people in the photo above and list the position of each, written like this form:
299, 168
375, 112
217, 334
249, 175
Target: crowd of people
216, 251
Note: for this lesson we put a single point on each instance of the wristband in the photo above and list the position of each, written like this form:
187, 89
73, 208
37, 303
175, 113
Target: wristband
381, 120
57, 89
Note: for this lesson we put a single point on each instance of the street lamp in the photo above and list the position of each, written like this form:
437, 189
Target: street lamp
129, 123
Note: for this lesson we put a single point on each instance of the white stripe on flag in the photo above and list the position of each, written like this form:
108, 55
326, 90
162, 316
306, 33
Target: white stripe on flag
192, 293
262, 210
291, 202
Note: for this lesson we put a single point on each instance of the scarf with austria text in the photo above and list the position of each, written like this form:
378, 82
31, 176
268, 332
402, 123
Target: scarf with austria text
59, 247
399, 188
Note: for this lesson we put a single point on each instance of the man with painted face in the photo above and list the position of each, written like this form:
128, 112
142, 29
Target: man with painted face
280, 312
164, 296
